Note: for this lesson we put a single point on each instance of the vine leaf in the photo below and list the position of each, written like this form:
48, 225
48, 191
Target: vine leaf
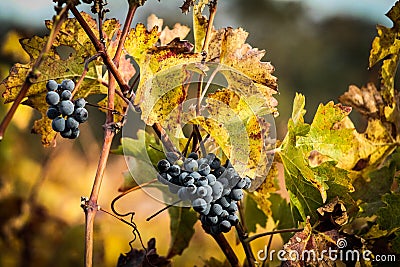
386, 48
305, 242
281, 212
200, 24
65, 59
162, 72
227, 46
254, 215
142, 258
367, 100
310, 187
389, 216
262, 194
213, 262
182, 222
167, 35
141, 154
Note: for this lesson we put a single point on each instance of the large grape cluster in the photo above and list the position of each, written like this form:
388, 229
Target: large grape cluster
213, 189
66, 115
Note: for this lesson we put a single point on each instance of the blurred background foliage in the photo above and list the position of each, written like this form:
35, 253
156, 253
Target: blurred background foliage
41, 222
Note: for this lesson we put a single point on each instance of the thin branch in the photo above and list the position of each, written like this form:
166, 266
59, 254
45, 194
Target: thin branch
213, 11
163, 209
162, 135
291, 230
125, 30
246, 245
34, 73
226, 249
127, 192
91, 206
101, 49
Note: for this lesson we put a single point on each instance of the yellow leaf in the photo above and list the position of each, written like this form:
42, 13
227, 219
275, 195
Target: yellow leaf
65, 60
200, 25
11, 47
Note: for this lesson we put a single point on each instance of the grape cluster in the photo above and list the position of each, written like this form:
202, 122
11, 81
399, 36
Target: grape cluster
65, 113
212, 188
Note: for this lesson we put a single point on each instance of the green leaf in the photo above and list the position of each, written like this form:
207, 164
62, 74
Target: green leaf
389, 216
213, 262
282, 215
182, 222
310, 187
142, 153
379, 182
254, 215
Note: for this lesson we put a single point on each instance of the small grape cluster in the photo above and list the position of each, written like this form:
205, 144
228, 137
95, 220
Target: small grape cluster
65, 113
212, 188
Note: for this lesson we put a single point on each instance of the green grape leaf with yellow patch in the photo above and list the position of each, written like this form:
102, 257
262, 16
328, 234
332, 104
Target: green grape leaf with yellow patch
310, 185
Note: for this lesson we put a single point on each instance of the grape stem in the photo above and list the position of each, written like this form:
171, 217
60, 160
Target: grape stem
246, 245
127, 192
291, 230
163, 209
226, 249
34, 73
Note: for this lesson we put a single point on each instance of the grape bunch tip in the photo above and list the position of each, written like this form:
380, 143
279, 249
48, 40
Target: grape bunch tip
66, 114
213, 189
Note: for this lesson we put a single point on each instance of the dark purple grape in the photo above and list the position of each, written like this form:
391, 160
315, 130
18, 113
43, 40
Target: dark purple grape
52, 113
66, 107
81, 114
71, 123
66, 95
199, 205
52, 98
187, 180
218, 172
201, 191
215, 164
194, 156
51, 85
217, 209
204, 169
248, 183
163, 165
211, 179
225, 226
232, 207
211, 219
174, 170
241, 183
190, 165
58, 124
202, 181
233, 219
67, 133
224, 202
67, 84
80, 103
75, 133
236, 194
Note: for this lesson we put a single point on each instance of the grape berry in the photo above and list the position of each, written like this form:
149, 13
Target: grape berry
66, 115
212, 189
